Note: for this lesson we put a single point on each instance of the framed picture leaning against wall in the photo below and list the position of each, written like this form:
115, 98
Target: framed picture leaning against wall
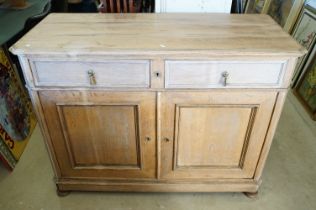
256, 6
285, 12
305, 33
305, 90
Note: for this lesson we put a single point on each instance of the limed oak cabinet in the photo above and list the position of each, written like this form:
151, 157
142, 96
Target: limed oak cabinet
158, 102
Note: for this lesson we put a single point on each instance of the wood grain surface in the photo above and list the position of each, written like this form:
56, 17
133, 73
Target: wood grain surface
134, 33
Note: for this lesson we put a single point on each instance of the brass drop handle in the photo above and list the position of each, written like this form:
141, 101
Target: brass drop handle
225, 75
91, 75
147, 138
166, 139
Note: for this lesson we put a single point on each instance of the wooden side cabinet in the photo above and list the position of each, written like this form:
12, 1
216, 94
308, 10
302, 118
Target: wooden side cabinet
189, 105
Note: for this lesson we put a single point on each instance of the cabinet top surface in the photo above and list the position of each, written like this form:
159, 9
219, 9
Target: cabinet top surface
84, 34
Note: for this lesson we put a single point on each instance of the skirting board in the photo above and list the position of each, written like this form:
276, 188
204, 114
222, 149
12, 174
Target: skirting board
215, 186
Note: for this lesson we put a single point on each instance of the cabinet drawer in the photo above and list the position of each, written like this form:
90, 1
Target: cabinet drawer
118, 73
207, 74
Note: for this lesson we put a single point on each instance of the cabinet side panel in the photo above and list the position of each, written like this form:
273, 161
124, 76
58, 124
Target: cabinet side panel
270, 134
42, 123
27, 72
290, 67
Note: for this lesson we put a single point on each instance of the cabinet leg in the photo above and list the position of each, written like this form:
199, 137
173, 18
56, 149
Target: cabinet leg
62, 193
251, 194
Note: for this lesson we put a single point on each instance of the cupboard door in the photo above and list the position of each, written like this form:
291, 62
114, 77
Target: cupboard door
105, 135
215, 134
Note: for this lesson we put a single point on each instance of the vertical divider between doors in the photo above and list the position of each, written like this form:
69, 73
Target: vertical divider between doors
158, 132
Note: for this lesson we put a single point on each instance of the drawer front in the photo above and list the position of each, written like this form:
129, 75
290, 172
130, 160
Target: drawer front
118, 73
208, 74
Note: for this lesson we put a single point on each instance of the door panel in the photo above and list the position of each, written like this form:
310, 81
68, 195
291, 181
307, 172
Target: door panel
97, 134
113, 128
213, 134
202, 135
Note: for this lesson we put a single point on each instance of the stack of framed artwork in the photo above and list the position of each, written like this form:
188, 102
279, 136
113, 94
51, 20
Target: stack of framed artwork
305, 90
284, 12
304, 82
298, 18
305, 33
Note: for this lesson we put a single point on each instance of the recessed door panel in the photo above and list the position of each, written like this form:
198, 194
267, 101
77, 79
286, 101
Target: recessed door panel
107, 134
205, 133
97, 134
213, 134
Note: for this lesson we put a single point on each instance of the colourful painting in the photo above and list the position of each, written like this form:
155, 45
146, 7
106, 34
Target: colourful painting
17, 119
305, 29
305, 33
6, 156
306, 88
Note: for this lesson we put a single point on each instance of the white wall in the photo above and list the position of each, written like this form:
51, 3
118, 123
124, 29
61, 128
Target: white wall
212, 6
